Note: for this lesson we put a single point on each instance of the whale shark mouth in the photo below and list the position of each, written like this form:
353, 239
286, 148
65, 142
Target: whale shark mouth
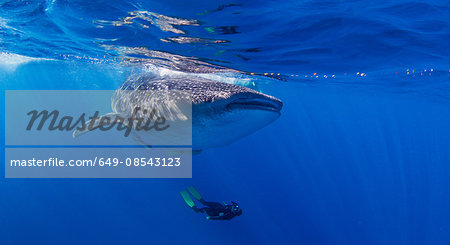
261, 103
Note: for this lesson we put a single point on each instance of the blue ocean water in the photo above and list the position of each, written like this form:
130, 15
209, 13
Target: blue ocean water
359, 155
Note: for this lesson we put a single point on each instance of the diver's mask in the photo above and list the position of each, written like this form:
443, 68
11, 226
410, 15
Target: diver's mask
236, 209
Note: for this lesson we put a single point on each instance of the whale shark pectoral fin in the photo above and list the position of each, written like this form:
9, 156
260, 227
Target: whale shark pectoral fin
97, 123
141, 141
196, 152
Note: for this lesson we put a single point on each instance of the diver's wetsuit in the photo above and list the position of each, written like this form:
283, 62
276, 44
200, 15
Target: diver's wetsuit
217, 211
214, 210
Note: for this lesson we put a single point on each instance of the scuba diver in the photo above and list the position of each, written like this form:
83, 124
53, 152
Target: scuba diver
214, 210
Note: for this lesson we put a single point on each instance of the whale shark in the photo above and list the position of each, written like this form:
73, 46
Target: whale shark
222, 113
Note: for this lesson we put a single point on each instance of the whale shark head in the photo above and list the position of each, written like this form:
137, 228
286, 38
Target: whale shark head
224, 113
221, 113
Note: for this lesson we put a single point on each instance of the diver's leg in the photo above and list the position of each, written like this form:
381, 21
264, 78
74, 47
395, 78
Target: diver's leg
213, 205
200, 210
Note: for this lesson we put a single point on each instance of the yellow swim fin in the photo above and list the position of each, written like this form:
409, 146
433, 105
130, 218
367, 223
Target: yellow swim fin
187, 198
194, 193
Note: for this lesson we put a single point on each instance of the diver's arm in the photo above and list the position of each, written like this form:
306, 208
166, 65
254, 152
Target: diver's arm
214, 217
227, 217
220, 216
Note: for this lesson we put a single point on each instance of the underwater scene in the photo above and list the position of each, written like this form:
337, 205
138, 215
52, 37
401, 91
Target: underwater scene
284, 122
